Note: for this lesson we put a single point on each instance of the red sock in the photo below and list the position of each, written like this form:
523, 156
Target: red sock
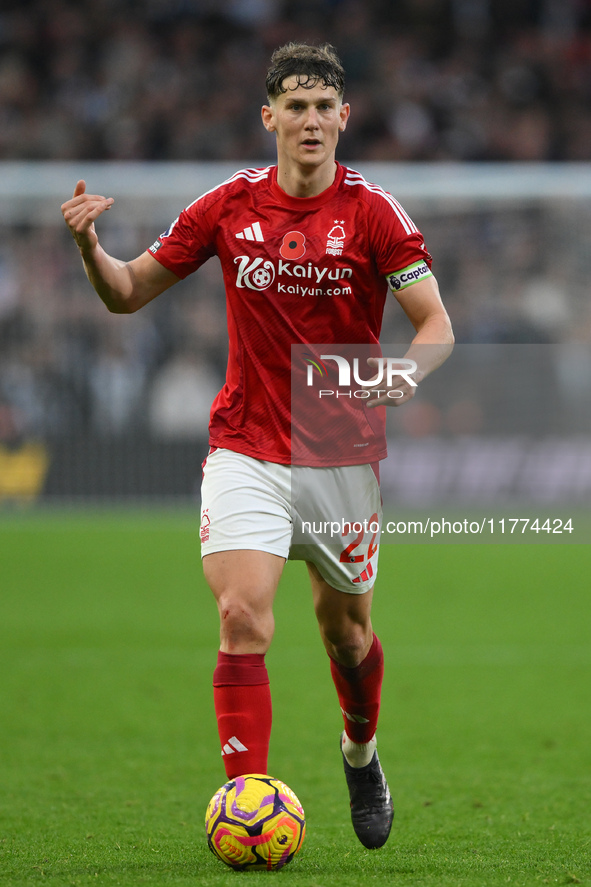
242, 700
359, 691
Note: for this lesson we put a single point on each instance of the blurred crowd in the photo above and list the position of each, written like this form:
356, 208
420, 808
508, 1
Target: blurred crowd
67, 366
184, 79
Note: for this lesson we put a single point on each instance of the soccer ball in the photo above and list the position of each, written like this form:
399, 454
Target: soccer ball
255, 822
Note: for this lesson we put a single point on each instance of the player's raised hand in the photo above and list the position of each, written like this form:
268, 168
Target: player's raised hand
80, 213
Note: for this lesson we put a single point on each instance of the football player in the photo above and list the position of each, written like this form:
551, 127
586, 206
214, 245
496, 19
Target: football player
309, 251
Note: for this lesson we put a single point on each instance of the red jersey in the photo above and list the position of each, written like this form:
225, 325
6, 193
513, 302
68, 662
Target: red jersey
296, 271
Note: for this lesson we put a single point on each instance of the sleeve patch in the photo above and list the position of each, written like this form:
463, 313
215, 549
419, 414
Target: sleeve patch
399, 280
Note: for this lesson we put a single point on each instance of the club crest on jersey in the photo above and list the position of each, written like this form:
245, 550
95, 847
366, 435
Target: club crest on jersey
336, 239
255, 274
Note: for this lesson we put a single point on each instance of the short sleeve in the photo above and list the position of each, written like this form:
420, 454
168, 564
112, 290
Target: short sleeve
399, 246
186, 244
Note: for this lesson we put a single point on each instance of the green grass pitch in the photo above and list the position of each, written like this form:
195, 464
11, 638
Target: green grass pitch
108, 745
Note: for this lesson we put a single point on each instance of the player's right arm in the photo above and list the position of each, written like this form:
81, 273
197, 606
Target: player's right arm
124, 287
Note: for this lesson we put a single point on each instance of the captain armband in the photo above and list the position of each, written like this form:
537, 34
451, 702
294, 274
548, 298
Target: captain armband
399, 280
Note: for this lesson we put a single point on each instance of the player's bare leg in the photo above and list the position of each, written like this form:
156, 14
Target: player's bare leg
344, 620
357, 668
243, 583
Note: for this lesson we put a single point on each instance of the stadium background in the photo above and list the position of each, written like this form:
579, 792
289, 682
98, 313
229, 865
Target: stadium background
476, 114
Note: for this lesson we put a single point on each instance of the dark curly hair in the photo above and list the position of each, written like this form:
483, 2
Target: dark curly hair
310, 64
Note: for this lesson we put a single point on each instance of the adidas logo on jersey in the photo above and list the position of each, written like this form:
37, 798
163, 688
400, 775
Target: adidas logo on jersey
251, 233
233, 745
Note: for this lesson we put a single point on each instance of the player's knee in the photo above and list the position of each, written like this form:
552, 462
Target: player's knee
244, 627
347, 644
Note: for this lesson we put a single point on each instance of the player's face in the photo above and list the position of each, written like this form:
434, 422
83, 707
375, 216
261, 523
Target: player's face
307, 123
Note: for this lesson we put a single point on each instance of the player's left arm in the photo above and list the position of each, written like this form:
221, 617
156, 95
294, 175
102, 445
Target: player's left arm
433, 341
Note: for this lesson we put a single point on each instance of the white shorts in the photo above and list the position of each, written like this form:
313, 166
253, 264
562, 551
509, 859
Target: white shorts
330, 517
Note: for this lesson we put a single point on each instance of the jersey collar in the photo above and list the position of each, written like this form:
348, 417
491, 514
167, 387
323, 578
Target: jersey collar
307, 203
